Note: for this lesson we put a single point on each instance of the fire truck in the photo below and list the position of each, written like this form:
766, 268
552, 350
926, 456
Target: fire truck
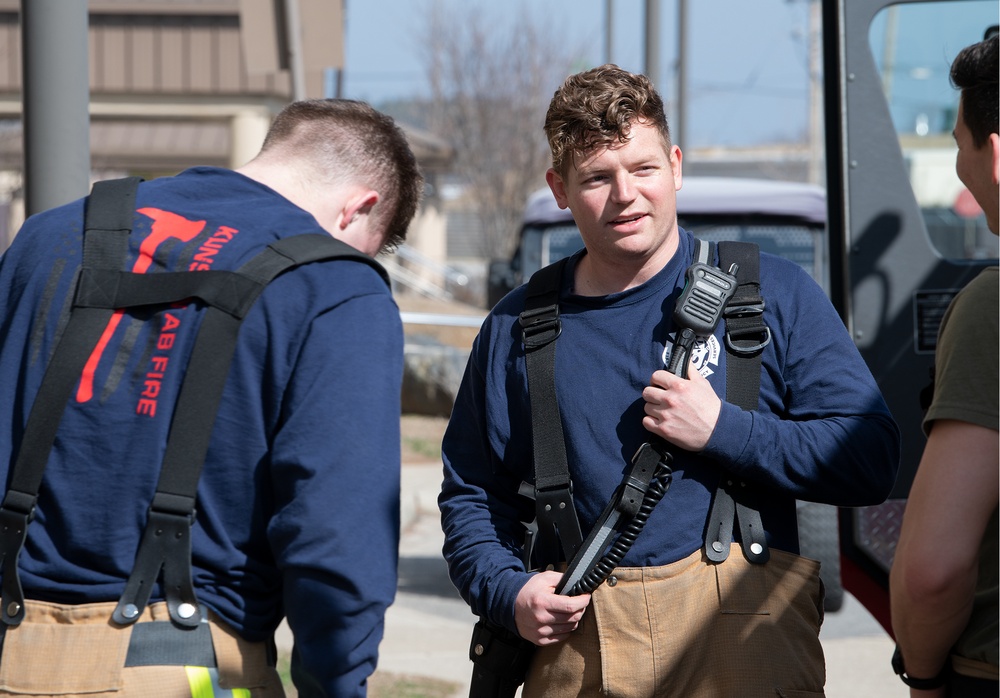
892, 237
903, 237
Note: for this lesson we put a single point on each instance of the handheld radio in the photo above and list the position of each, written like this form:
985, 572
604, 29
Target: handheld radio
707, 290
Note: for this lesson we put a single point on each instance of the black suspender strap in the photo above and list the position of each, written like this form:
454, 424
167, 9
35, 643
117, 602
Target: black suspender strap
501, 658
745, 338
559, 533
103, 288
166, 542
107, 225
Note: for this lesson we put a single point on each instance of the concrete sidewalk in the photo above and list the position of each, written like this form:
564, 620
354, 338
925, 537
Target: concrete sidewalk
428, 628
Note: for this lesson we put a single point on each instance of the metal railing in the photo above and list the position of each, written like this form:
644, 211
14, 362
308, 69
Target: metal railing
423, 275
446, 319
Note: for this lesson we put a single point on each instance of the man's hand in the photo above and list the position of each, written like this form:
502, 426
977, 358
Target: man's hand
681, 411
544, 617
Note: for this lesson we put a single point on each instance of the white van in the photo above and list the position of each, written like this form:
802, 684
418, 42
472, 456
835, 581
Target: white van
783, 218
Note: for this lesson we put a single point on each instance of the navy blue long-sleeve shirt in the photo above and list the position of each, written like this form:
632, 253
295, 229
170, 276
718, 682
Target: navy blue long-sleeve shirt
821, 431
305, 447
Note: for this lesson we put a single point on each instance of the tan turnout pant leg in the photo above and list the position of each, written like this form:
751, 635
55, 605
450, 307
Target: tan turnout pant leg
76, 650
693, 629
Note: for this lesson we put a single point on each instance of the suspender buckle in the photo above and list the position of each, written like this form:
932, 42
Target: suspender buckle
744, 309
764, 332
165, 503
17, 506
540, 326
558, 525
746, 332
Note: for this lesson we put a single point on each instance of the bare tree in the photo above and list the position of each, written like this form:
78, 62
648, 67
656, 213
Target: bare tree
490, 88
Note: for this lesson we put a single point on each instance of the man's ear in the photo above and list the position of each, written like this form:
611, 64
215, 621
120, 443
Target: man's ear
359, 204
676, 158
558, 187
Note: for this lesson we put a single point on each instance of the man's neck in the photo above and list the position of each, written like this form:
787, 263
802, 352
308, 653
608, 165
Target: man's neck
597, 277
289, 184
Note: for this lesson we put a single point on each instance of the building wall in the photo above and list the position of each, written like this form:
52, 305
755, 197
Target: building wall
171, 87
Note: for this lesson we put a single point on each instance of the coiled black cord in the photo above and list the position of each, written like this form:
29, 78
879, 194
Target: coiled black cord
594, 577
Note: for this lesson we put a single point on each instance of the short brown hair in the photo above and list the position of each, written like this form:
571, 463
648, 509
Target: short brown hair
349, 140
598, 107
974, 72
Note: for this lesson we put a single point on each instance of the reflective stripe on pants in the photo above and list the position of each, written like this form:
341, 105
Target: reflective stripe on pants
205, 684
73, 650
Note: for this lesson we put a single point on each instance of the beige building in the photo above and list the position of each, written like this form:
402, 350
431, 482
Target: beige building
176, 83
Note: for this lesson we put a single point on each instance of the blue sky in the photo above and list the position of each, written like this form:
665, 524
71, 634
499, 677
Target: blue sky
748, 60
746, 57
926, 37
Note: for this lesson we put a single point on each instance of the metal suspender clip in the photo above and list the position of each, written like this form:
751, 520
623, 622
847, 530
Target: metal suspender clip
16, 513
166, 545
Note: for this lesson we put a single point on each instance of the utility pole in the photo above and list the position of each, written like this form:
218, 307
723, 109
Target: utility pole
609, 20
338, 89
296, 63
55, 103
653, 43
816, 135
680, 101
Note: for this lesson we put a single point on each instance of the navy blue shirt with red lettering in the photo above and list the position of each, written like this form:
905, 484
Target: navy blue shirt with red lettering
297, 509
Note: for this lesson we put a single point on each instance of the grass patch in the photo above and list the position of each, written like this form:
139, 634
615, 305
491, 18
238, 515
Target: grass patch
421, 437
284, 667
428, 448
382, 685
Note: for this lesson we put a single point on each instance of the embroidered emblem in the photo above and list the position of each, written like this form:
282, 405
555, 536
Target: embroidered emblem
704, 354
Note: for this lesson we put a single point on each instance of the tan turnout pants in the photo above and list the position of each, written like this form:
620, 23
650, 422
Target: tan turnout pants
65, 650
693, 629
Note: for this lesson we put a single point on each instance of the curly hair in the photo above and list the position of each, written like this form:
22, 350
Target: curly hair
348, 140
597, 108
974, 72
